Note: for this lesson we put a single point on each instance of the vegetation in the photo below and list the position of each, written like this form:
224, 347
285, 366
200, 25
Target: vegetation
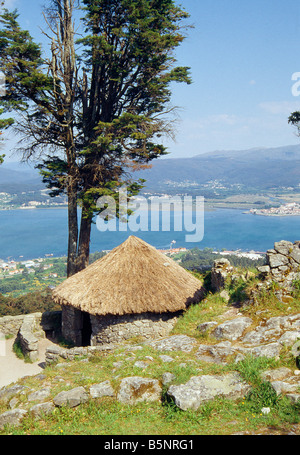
201, 260
218, 417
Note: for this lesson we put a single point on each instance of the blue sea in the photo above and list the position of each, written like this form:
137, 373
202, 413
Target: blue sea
29, 234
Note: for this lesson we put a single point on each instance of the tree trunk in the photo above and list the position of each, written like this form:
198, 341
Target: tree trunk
84, 242
72, 228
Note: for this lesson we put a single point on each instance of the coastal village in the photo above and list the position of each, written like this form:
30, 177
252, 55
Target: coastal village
290, 209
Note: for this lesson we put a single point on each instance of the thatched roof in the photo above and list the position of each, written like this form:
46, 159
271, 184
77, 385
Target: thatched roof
132, 278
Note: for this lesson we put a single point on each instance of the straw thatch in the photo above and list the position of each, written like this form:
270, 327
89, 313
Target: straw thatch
132, 278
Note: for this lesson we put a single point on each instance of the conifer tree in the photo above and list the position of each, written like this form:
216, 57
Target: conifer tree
93, 111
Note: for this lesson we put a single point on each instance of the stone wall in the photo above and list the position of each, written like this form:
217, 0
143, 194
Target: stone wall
115, 329
10, 325
28, 336
29, 328
49, 321
283, 263
219, 273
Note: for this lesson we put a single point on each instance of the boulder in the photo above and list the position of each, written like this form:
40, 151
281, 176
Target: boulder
71, 398
135, 389
39, 395
104, 389
200, 389
41, 409
13, 417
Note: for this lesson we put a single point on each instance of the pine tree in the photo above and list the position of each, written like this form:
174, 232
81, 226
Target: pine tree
95, 110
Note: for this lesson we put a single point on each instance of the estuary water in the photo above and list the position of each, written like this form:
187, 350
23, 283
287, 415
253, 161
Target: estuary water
29, 234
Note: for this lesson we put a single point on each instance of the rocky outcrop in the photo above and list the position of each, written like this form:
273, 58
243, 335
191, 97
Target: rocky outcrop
200, 389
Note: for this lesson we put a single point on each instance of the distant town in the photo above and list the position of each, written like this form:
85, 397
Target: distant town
290, 209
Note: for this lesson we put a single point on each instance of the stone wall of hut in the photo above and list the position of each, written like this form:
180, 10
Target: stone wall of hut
115, 329
111, 329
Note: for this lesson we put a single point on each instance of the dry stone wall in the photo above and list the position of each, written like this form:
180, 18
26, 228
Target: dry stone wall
283, 263
29, 328
115, 329
48, 321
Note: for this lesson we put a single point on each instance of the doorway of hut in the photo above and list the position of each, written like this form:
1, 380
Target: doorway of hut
86, 332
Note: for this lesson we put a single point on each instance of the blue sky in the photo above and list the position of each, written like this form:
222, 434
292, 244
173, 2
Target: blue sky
242, 56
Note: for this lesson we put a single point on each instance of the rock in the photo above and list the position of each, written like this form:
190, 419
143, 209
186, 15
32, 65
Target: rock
175, 343
167, 378
221, 350
289, 338
104, 389
206, 326
264, 269
135, 389
216, 353
294, 397
277, 374
224, 295
284, 387
283, 247
8, 392
39, 395
200, 389
41, 409
141, 364
13, 417
71, 398
295, 254
271, 350
232, 330
277, 260
166, 358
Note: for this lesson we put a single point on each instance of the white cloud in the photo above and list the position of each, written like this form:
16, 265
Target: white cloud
280, 107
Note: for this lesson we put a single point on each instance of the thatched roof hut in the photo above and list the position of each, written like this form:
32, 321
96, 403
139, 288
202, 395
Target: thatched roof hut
133, 278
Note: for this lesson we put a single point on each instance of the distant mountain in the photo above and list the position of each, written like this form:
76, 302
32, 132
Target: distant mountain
261, 168
258, 168
16, 177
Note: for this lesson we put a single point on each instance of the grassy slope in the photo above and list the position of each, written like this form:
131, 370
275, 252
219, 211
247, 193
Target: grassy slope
219, 417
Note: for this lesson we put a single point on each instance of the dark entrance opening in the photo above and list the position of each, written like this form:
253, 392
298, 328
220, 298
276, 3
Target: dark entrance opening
86, 329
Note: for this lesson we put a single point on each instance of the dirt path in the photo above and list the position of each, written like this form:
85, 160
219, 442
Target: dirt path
12, 368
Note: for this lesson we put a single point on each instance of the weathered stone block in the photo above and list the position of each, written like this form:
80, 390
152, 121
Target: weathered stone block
71, 398
104, 389
135, 389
